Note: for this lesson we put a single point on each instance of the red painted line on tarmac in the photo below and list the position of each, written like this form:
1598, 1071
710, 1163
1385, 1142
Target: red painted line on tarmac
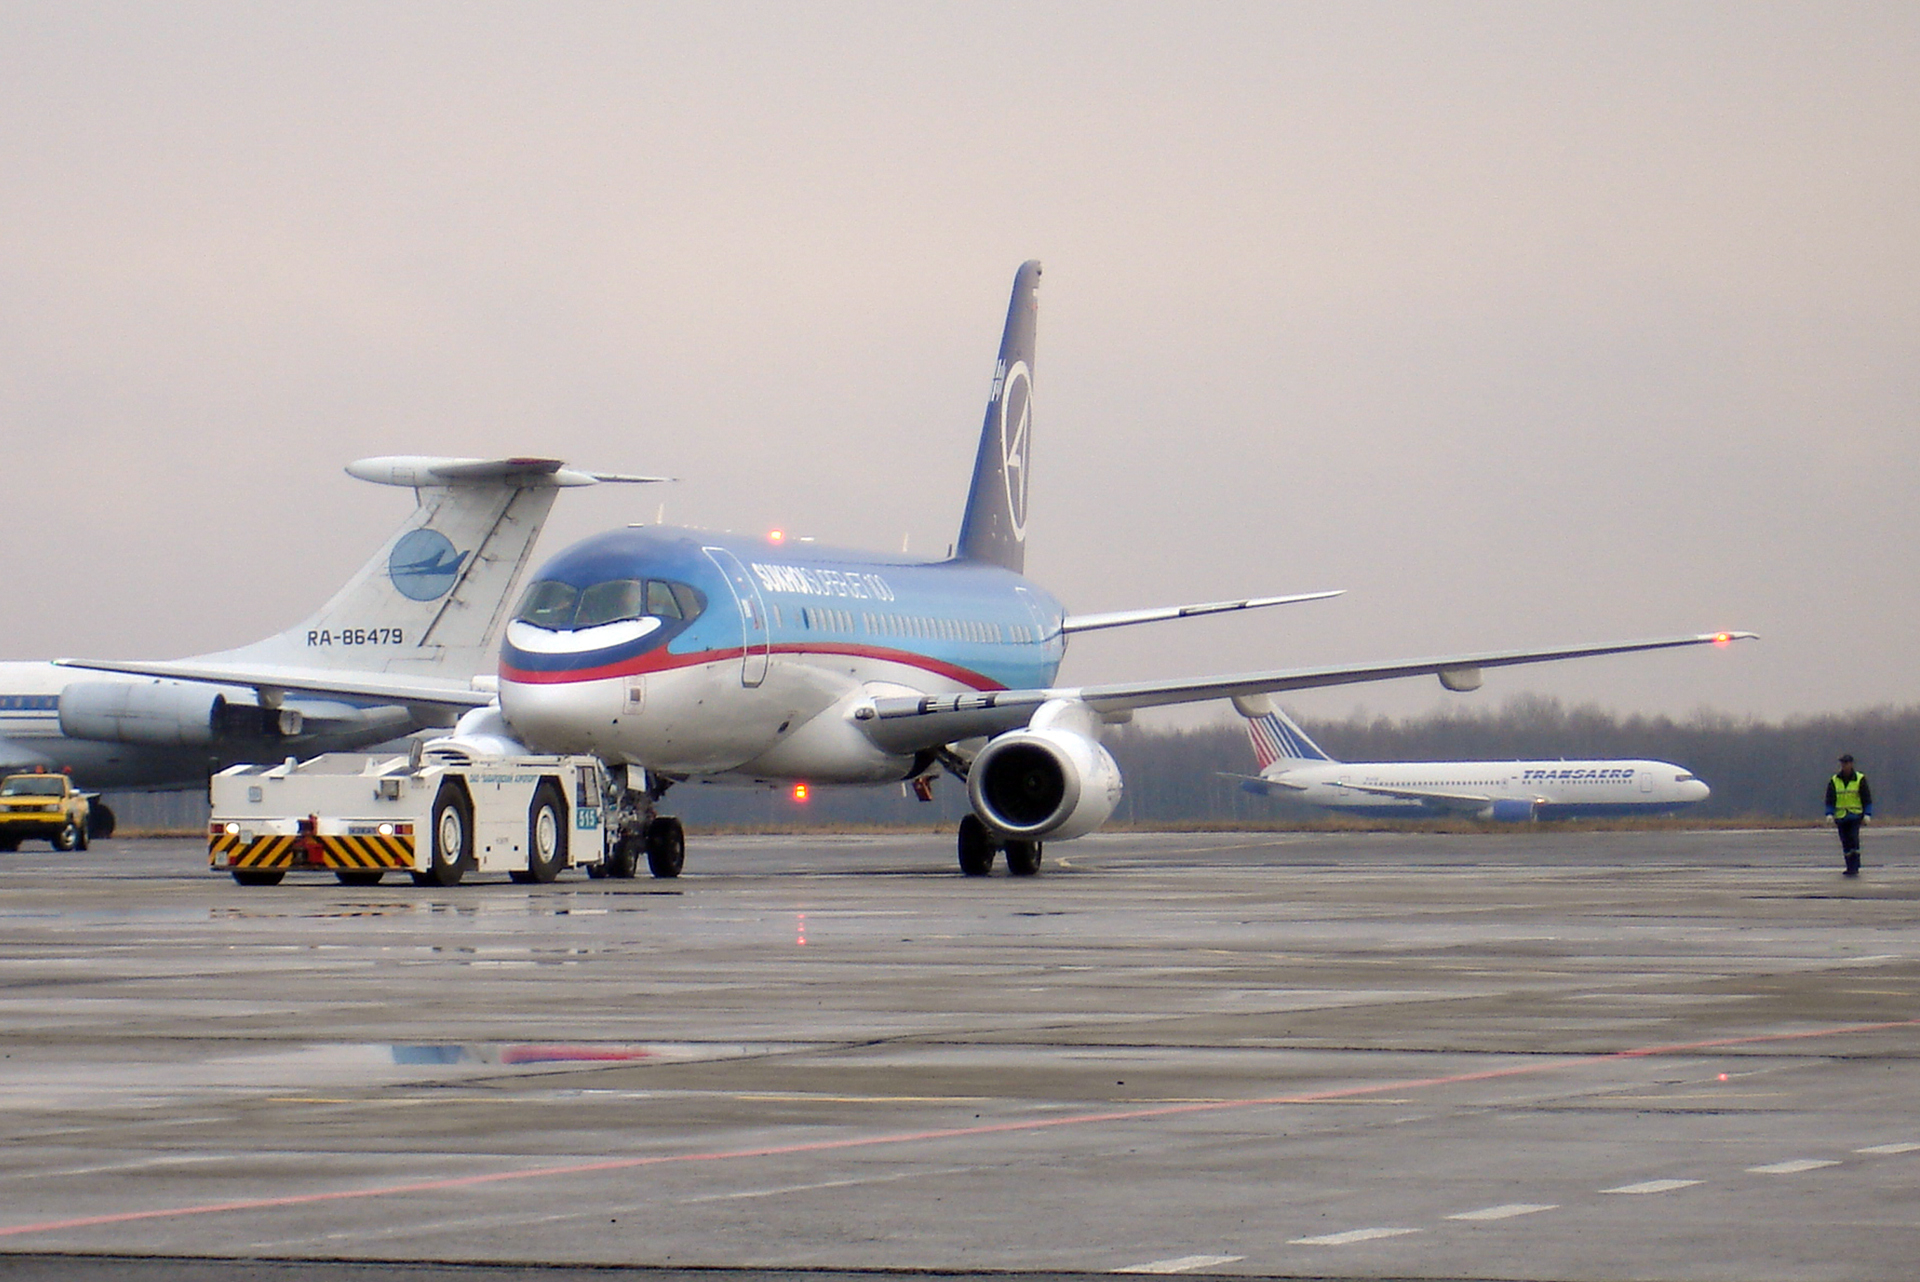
948, 1133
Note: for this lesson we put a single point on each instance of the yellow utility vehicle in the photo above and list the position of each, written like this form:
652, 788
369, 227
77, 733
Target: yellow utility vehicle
43, 805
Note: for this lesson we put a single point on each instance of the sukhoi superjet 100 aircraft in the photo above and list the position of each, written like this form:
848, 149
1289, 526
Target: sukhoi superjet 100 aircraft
682, 654
411, 629
1295, 767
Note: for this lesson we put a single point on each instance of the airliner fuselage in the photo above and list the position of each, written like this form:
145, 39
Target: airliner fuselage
697, 653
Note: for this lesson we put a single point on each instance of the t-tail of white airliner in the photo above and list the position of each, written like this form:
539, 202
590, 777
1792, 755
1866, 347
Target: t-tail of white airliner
398, 647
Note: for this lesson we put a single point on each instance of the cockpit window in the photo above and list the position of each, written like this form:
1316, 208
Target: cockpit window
660, 600
610, 602
560, 607
549, 605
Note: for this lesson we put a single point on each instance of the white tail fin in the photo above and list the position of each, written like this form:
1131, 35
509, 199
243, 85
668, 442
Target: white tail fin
432, 600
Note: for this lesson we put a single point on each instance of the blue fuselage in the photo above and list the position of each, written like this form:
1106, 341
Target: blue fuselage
696, 653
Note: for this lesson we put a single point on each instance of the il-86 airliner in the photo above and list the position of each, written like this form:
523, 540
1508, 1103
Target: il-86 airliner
682, 654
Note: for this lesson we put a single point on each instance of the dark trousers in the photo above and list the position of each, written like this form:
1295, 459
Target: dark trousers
1848, 827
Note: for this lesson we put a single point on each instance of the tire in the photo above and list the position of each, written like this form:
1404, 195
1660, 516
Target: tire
9, 844
259, 876
80, 837
1023, 858
976, 847
100, 822
624, 862
666, 847
359, 876
450, 838
546, 834
67, 838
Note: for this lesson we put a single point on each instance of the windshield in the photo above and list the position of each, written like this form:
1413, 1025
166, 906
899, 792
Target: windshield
561, 607
34, 786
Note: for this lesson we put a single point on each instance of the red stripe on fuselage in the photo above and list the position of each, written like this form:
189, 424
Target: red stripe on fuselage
661, 661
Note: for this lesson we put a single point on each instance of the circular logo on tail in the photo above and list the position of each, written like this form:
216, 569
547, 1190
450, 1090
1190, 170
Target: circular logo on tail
423, 565
1016, 417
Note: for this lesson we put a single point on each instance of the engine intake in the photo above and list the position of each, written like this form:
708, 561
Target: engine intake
1057, 783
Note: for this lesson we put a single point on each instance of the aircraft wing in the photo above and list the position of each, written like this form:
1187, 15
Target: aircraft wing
18, 756
1154, 614
1260, 783
386, 686
907, 723
1431, 796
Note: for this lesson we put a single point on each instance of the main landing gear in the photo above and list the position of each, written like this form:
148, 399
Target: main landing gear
978, 847
639, 830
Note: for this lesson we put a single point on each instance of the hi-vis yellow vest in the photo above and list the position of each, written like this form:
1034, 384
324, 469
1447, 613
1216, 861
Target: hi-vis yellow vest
1846, 795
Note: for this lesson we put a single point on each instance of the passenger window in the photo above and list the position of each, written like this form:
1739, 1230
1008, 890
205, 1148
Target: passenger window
609, 602
548, 605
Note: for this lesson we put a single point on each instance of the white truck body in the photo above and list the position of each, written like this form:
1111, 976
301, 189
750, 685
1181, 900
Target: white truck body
436, 816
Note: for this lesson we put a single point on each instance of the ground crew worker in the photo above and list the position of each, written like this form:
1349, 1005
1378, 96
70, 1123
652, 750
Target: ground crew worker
1849, 803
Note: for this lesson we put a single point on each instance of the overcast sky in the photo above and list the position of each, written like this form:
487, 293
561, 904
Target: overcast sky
1525, 323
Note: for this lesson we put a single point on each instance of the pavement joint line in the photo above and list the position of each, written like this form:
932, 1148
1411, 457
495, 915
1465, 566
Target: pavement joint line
602, 1165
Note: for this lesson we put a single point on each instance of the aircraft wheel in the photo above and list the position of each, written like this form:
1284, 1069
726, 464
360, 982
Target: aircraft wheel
546, 835
976, 847
66, 838
624, 862
1023, 858
100, 822
452, 838
259, 876
359, 876
666, 847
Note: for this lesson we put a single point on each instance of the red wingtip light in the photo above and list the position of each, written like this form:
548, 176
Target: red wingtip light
1723, 638
776, 536
800, 793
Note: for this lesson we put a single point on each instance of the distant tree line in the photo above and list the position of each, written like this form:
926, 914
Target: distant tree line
1757, 769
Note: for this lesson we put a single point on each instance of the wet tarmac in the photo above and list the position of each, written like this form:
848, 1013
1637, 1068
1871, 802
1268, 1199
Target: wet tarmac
1522, 1054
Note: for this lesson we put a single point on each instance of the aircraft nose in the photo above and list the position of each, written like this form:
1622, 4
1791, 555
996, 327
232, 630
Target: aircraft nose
1696, 790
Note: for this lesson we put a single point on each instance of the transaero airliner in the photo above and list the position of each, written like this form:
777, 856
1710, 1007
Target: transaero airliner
1295, 767
411, 629
682, 655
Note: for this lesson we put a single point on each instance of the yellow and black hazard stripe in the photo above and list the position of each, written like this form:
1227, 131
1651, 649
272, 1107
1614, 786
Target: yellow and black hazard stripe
308, 850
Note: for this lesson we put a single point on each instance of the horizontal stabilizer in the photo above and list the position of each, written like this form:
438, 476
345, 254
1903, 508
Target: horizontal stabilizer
417, 471
1154, 614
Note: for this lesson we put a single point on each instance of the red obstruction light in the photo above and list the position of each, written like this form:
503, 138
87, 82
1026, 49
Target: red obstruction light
800, 793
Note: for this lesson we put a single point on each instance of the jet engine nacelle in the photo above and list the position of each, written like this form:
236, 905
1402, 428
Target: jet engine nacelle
1508, 811
1056, 783
156, 712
